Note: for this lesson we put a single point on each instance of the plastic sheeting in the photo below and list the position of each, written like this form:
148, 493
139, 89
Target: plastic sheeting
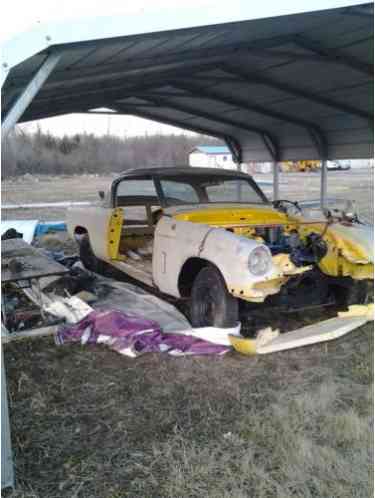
133, 336
135, 301
33, 228
213, 334
50, 226
26, 227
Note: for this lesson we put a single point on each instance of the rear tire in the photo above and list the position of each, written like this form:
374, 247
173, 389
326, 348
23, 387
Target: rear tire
211, 304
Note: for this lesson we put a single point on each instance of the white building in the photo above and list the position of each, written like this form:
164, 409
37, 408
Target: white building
219, 156
211, 156
359, 163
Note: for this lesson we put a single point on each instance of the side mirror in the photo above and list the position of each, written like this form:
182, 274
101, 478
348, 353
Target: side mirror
101, 194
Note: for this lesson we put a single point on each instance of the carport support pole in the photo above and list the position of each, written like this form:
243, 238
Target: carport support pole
239, 189
275, 167
323, 184
29, 93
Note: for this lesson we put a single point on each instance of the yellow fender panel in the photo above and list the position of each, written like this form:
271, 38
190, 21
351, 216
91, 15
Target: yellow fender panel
365, 310
347, 255
243, 345
249, 347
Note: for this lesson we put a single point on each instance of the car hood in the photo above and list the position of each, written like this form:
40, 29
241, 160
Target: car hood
227, 214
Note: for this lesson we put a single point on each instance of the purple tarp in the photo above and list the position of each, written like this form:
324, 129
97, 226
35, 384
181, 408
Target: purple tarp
132, 336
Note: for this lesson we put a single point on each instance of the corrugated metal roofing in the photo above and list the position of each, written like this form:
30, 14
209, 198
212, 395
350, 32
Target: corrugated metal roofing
212, 149
298, 86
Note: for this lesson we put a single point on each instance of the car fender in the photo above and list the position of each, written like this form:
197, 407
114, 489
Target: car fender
96, 220
350, 251
176, 241
356, 241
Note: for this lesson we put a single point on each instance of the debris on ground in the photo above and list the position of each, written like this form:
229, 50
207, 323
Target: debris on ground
11, 233
249, 346
30, 229
19, 312
359, 310
271, 341
133, 336
23, 267
44, 227
86, 296
56, 242
79, 294
72, 309
214, 335
10, 229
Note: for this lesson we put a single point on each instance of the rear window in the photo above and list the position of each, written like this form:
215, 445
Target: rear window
209, 189
141, 188
236, 190
179, 192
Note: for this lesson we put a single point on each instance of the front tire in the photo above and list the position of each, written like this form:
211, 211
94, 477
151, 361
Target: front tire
211, 304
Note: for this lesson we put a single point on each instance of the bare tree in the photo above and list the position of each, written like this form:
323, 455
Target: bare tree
43, 153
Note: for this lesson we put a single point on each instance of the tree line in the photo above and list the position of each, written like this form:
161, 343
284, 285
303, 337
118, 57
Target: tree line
42, 153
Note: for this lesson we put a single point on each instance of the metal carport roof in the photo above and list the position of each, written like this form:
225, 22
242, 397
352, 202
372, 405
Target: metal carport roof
295, 86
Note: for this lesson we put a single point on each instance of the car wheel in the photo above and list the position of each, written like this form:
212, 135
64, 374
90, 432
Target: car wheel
87, 256
211, 304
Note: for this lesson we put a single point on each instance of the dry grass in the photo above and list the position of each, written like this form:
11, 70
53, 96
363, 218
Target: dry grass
87, 422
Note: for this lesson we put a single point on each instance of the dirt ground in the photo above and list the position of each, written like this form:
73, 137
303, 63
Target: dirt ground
357, 184
87, 422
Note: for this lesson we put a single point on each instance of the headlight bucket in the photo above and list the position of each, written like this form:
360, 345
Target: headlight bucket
260, 261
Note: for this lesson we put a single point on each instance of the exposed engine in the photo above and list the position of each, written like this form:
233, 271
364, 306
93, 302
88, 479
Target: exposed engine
305, 289
302, 252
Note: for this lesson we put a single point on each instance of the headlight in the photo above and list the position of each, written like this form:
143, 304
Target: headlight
260, 260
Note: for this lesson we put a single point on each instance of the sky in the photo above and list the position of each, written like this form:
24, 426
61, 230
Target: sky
20, 15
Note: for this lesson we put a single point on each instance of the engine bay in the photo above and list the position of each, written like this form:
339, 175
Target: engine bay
280, 239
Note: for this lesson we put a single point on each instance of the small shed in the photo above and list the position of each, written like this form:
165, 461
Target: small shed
219, 156
212, 156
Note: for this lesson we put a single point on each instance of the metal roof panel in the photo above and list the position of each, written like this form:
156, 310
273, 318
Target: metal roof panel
298, 83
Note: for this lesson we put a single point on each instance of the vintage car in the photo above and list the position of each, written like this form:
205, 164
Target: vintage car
212, 237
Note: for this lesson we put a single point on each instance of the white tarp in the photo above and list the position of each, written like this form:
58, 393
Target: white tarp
26, 227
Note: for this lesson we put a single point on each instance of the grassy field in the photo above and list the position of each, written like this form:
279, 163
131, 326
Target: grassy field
89, 423
354, 184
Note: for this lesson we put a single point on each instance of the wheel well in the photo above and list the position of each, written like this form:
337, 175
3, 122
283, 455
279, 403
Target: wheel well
79, 230
189, 271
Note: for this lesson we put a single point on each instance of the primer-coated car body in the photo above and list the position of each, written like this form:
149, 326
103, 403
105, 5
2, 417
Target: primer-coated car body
176, 241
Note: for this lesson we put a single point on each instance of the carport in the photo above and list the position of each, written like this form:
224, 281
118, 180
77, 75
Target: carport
275, 87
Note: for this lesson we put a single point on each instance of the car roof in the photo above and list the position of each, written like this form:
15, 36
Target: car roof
180, 171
